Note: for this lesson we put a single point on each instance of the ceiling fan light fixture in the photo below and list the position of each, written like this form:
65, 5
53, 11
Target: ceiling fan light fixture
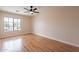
31, 12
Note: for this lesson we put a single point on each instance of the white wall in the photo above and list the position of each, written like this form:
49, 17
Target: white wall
25, 24
61, 23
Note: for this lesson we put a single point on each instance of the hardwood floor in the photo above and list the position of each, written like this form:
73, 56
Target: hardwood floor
33, 43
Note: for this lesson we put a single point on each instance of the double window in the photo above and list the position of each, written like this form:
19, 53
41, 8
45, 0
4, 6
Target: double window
11, 24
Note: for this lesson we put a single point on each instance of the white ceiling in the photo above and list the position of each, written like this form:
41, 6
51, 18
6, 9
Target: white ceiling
20, 9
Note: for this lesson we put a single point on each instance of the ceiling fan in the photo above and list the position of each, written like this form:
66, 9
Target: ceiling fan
32, 10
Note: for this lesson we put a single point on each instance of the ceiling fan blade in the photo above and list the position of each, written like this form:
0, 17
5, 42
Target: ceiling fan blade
35, 9
25, 12
26, 9
36, 12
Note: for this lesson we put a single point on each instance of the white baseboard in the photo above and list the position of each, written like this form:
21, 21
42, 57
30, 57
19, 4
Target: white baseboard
2, 37
69, 43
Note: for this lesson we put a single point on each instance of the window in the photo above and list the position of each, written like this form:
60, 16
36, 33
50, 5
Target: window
11, 24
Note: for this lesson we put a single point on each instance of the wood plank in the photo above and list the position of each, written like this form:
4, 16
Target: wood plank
34, 43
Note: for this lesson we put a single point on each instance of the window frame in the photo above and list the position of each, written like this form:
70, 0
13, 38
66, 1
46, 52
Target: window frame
12, 23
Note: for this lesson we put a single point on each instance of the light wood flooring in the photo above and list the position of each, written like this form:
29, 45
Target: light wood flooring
34, 43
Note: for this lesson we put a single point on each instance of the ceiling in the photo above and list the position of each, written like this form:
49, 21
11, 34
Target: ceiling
17, 9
